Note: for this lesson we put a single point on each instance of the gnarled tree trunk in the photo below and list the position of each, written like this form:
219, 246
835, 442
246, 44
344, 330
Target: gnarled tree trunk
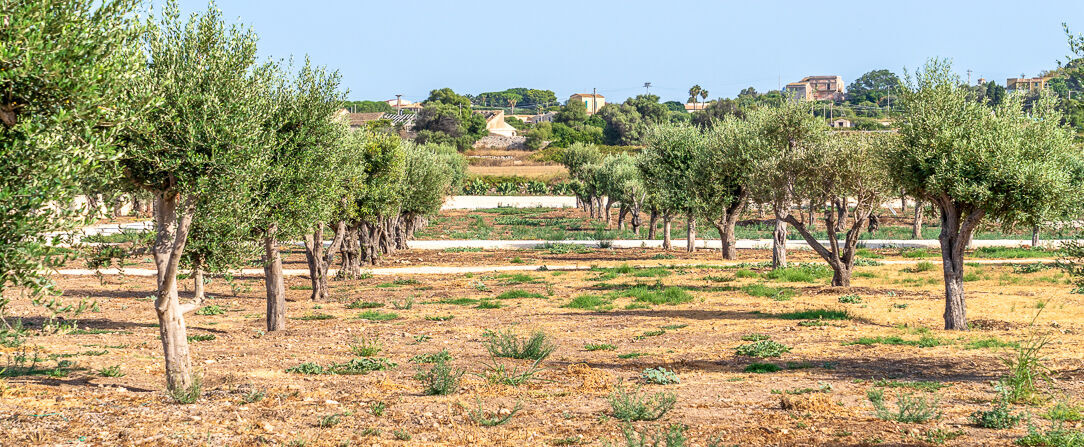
728, 222
172, 225
779, 244
916, 225
652, 221
690, 232
666, 231
274, 282
957, 225
320, 260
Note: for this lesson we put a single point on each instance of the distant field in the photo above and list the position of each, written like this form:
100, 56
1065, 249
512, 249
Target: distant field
542, 172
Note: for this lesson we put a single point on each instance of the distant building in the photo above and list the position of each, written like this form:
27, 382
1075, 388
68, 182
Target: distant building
695, 106
1027, 84
817, 88
356, 120
404, 104
592, 101
840, 123
533, 119
496, 125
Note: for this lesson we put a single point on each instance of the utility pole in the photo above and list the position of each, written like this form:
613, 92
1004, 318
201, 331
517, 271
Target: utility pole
398, 104
647, 88
968, 77
594, 100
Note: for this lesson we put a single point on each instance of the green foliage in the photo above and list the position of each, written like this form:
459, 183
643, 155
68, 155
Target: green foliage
669, 296
659, 376
755, 337
517, 294
1065, 411
799, 273
874, 87
1055, 436
921, 385
763, 348
441, 379
65, 65
925, 342
815, 314
775, 293
761, 368
213, 309
374, 315
359, 304
365, 347
447, 118
1026, 371
850, 299
189, 395
590, 302
499, 374
111, 371
508, 344
201, 337
632, 405
599, 347
434, 357
910, 409
999, 417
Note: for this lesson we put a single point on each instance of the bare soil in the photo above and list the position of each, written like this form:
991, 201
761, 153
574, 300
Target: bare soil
567, 403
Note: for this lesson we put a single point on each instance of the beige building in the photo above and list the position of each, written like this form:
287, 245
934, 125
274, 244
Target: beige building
696, 106
1027, 84
400, 103
592, 101
496, 125
840, 123
817, 88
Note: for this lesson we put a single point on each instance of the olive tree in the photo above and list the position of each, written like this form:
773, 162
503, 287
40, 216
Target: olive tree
203, 126
376, 197
63, 65
624, 185
431, 172
783, 134
666, 165
722, 176
351, 168
577, 159
300, 187
973, 161
846, 166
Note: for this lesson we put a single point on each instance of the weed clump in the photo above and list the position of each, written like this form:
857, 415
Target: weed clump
507, 344
763, 348
659, 376
909, 407
632, 405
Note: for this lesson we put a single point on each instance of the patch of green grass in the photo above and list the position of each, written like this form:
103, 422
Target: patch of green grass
921, 266
111, 371
439, 317
201, 337
375, 315
1055, 436
669, 296
814, 314
352, 367
359, 304
462, 249
763, 348
762, 368
487, 304
989, 343
632, 355
746, 273
599, 347
775, 293
672, 327
590, 302
868, 254
1012, 253
1065, 411
517, 278
924, 342
365, 347
718, 278
517, 294
649, 334
440, 380
800, 273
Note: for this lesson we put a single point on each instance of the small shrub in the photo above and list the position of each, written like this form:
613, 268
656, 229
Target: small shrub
850, 299
1000, 417
405, 304
365, 347
671, 436
1055, 436
487, 418
1065, 411
499, 374
433, 357
763, 348
441, 379
330, 420
1026, 371
909, 408
659, 376
359, 304
761, 368
111, 371
213, 309
507, 344
632, 406
190, 395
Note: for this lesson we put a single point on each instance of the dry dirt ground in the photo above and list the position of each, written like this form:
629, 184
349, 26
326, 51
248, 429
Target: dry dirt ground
817, 397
